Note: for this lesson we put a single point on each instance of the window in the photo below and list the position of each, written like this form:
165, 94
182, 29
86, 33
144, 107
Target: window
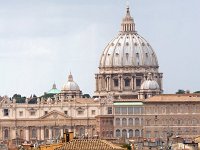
32, 113
80, 112
93, 112
130, 133
124, 110
117, 121
5, 112
6, 133
46, 135
124, 122
109, 110
65, 112
130, 122
33, 133
45, 112
117, 110
130, 110
137, 121
138, 82
137, 133
116, 82
20, 113
118, 133
127, 82
136, 110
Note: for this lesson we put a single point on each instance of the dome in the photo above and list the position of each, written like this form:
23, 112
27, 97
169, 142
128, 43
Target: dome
150, 84
128, 49
54, 90
70, 85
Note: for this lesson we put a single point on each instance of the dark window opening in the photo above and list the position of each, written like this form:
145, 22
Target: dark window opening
116, 82
138, 82
5, 112
109, 110
127, 82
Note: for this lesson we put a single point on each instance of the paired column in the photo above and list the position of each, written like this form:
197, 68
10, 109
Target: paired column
42, 133
27, 133
50, 133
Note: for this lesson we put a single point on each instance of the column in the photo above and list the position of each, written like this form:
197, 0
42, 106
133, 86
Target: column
38, 133
61, 132
42, 133
50, 133
110, 85
132, 83
100, 83
135, 82
96, 79
122, 83
27, 133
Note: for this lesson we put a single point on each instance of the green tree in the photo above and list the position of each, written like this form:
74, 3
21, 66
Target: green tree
180, 91
197, 92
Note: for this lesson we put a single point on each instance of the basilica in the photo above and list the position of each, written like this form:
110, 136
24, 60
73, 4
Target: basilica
128, 101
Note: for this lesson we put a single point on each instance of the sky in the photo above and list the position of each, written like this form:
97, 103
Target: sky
41, 41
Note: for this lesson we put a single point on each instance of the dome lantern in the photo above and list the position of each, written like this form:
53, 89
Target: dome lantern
128, 24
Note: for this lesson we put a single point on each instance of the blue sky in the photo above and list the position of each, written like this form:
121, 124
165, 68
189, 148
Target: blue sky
41, 41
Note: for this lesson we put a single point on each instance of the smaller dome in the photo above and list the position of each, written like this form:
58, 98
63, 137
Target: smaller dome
70, 85
150, 84
54, 90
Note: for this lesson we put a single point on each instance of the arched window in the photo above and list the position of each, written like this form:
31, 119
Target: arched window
137, 121
137, 133
118, 133
117, 121
46, 135
130, 121
127, 82
124, 133
6, 134
130, 132
33, 133
124, 122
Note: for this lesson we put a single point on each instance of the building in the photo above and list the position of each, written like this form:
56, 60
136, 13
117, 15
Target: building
128, 101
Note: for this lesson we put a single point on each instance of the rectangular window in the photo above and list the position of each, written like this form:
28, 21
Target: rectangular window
5, 112
124, 110
45, 112
20, 113
138, 82
116, 82
93, 112
66, 112
136, 110
32, 113
109, 110
80, 112
130, 110
117, 110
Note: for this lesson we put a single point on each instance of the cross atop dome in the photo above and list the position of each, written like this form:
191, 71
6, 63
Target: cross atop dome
128, 24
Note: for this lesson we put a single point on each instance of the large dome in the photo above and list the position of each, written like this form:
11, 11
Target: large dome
128, 49
125, 63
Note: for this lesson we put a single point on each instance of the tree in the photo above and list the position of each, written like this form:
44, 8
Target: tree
19, 98
197, 92
180, 91
86, 96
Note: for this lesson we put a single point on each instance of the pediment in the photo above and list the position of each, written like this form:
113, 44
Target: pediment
54, 115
